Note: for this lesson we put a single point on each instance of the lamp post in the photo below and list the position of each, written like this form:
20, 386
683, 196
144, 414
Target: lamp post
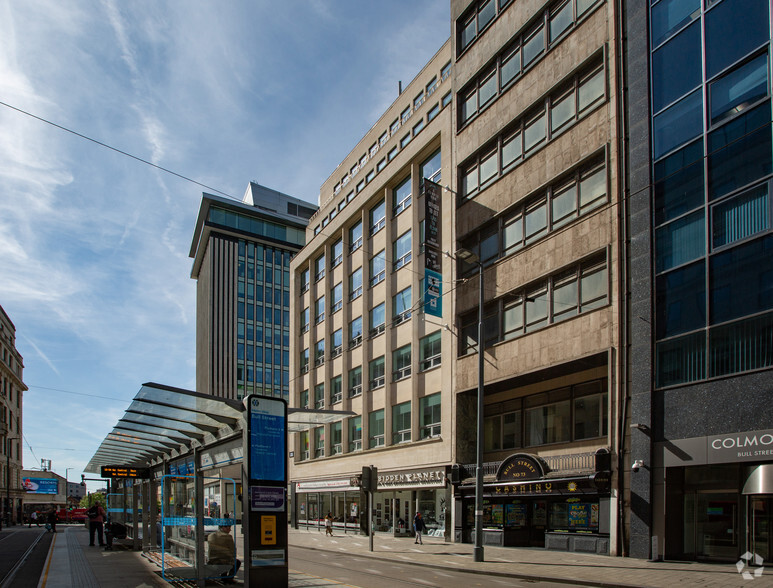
468, 256
9, 509
67, 496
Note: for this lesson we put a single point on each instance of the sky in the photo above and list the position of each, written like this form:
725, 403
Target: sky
94, 266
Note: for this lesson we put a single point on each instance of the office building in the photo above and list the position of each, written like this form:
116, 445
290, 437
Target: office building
241, 253
363, 339
12, 390
537, 139
702, 331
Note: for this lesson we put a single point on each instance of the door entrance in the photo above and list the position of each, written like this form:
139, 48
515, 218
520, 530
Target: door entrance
760, 519
712, 526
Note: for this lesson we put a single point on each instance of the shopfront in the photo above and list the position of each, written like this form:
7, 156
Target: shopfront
399, 495
724, 500
526, 507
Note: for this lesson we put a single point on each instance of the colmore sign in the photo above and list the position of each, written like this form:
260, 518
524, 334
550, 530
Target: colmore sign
749, 446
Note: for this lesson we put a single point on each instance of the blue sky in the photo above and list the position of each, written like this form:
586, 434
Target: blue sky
94, 267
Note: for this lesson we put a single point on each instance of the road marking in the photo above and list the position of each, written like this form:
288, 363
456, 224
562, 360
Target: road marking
48, 565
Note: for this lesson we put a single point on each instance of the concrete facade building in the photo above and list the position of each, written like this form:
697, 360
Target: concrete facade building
12, 390
537, 142
242, 255
362, 341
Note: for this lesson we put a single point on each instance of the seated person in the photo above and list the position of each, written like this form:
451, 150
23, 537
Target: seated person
222, 550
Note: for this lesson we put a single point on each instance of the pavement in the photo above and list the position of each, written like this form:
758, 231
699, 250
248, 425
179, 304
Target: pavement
72, 563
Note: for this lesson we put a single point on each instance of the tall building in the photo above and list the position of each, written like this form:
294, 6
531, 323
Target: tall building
539, 203
12, 390
701, 316
241, 253
363, 339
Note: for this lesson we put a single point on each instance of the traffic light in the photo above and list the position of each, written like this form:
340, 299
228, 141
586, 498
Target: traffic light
369, 478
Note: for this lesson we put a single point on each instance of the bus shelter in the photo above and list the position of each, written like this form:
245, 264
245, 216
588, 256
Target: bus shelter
175, 467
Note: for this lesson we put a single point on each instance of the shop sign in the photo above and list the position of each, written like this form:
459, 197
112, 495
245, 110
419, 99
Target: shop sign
520, 466
556, 487
324, 485
749, 446
422, 478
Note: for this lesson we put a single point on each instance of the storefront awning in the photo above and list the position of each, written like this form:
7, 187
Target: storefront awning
597, 483
162, 420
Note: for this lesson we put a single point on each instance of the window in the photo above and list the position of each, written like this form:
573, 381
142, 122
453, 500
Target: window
319, 442
392, 154
304, 445
590, 411
376, 429
394, 126
336, 446
533, 44
678, 124
355, 237
560, 20
319, 396
445, 72
304, 360
429, 411
355, 381
402, 250
472, 24
305, 280
418, 101
378, 268
548, 423
405, 140
305, 320
381, 165
377, 319
338, 343
304, 399
401, 306
377, 217
319, 353
355, 332
430, 351
320, 309
360, 186
405, 115
383, 139
671, 15
355, 284
336, 390
430, 168
401, 363
376, 373
401, 423
401, 196
733, 29
431, 85
355, 434
735, 91
319, 265
446, 100
338, 252
337, 295
502, 431
676, 67
418, 127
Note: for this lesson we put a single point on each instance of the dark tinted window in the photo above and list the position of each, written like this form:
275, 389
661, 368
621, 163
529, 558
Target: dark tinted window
681, 301
679, 182
676, 67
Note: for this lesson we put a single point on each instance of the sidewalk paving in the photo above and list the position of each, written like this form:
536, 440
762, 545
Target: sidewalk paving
575, 569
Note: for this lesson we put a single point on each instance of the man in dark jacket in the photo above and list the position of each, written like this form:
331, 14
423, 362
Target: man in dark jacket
418, 526
97, 517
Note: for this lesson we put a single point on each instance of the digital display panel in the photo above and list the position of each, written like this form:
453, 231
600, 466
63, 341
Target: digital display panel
268, 439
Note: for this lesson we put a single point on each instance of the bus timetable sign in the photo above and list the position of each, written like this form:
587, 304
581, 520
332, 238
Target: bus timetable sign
125, 472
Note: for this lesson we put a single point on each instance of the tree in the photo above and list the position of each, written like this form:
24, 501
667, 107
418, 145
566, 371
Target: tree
91, 498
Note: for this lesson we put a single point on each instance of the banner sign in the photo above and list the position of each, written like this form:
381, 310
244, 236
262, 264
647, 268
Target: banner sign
433, 278
40, 485
433, 293
432, 210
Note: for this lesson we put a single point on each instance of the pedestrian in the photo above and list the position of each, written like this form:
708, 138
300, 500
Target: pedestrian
329, 524
96, 516
222, 550
51, 520
418, 526
34, 519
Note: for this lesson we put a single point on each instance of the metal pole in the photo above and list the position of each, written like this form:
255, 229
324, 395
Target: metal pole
477, 552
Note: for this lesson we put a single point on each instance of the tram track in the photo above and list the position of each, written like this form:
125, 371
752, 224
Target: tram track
7, 579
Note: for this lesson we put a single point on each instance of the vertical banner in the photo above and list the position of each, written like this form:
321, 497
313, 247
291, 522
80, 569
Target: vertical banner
433, 278
265, 504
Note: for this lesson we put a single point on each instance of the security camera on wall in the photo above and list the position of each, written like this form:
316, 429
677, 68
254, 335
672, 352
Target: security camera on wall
637, 465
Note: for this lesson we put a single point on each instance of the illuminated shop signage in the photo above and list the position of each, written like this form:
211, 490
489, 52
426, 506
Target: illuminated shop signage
435, 478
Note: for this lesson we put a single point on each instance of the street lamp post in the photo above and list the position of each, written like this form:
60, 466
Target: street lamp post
67, 496
9, 509
468, 256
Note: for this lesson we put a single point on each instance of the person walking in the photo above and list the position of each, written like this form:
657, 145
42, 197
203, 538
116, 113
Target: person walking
418, 526
96, 516
51, 520
34, 519
329, 524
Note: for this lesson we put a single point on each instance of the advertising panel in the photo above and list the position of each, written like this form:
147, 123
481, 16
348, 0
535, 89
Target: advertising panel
40, 485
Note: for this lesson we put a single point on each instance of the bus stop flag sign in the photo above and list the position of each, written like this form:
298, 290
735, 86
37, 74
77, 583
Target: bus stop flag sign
268, 439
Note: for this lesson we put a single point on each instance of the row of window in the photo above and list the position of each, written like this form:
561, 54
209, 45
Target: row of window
475, 20
569, 414
539, 126
259, 227
432, 113
429, 357
573, 291
518, 55
401, 197
571, 196
429, 426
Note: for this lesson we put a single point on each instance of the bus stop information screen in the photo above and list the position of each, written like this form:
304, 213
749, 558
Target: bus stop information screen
268, 434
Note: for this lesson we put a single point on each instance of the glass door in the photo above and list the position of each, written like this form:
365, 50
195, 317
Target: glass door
716, 526
761, 515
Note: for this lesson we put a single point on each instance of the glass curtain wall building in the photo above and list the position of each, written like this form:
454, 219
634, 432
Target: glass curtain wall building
702, 312
242, 254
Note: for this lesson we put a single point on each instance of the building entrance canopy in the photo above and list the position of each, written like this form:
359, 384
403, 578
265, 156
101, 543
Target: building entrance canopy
164, 422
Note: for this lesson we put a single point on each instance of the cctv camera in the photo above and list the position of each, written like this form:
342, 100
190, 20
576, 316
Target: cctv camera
636, 466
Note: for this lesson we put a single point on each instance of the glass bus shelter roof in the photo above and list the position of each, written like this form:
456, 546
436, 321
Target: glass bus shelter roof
161, 419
